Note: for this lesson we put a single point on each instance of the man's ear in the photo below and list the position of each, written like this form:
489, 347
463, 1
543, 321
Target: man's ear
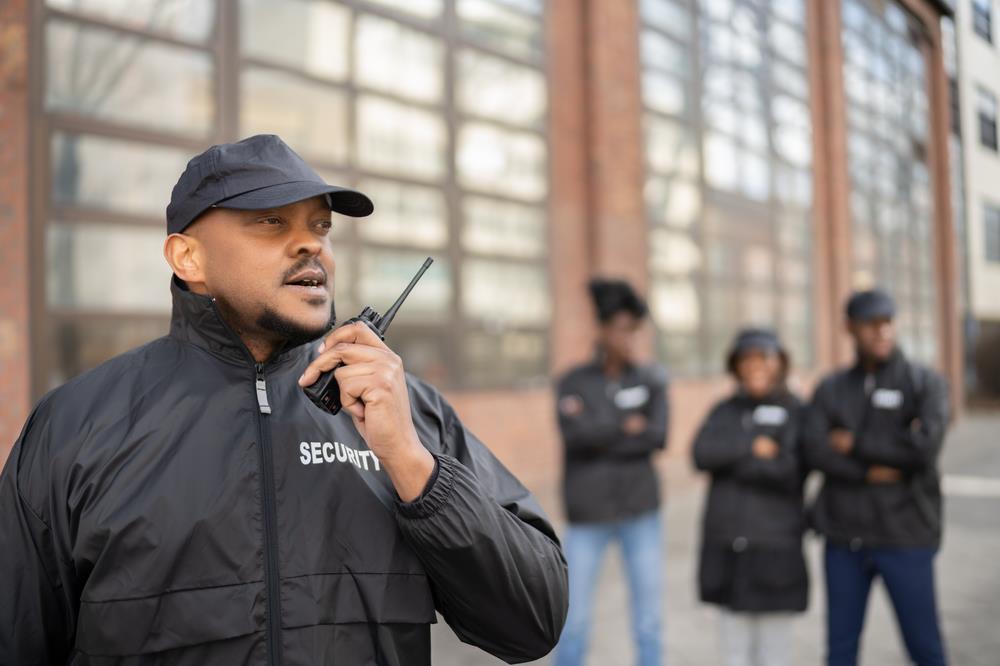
186, 257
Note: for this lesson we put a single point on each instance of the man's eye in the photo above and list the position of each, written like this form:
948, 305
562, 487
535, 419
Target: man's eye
324, 225
270, 220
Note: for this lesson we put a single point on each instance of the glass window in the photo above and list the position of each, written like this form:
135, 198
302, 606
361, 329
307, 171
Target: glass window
991, 233
110, 174
185, 19
306, 35
986, 109
504, 293
670, 16
314, 126
427, 9
395, 138
81, 344
107, 267
405, 214
112, 77
385, 273
672, 201
659, 52
501, 26
982, 19
491, 159
523, 354
486, 86
502, 227
395, 59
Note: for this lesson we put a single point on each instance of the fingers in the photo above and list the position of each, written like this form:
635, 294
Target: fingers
349, 354
356, 333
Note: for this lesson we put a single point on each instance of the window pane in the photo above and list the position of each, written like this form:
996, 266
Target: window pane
107, 267
674, 305
505, 293
111, 174
486, 86
667, 15
504, 358
423, 8
500, 227
673, 253
84, 344
385, 273
315, 126
496, 25
102, 74
664, 93
672, 201
186, 19
308, 35
491, 159
393, 58
670, 147
405, 214
400, 139
659, 52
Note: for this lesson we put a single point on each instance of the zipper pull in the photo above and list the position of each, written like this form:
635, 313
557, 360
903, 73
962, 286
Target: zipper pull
261, 387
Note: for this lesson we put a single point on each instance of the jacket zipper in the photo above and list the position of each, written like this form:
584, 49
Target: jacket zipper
271, 574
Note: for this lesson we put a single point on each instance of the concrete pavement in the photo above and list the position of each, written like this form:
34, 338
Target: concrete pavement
968, 574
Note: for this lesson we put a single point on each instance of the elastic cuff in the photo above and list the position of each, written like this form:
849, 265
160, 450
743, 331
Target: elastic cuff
435, 495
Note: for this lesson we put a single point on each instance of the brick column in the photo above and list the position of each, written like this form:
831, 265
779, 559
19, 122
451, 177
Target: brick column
14, 165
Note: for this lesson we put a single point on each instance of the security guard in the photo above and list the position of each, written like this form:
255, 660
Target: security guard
875, 431
613, 417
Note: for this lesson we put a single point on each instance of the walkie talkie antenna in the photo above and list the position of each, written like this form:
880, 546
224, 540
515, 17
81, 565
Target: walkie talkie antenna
383, 324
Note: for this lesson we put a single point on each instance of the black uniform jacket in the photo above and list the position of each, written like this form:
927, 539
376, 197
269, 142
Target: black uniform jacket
899, 415
181, 505
608, 474
751, 555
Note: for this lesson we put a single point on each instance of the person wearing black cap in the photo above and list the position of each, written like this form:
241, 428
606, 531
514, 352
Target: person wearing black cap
751, 562
875, 431
612, 415
186, 502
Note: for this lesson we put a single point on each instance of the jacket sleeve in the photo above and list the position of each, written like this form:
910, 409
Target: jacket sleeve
494, 562
721, 442
819, 455
784, 471
654, 437
37, 619
916, 447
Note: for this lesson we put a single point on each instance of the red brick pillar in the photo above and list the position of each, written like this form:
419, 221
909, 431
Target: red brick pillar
14, 167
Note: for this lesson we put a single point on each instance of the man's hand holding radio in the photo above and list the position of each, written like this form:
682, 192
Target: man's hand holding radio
373, 391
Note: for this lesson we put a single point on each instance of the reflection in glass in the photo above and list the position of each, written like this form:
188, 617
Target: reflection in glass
185, 19
384, 273
111, 174
405, 214
314, 126
393, 58
112, 77
505, 293
491, 159
306, 35
487, 86
502, 227
107, 267
494, 24
395, 138
83, 344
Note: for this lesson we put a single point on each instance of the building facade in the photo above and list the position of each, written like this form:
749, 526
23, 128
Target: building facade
741, 161
978, 84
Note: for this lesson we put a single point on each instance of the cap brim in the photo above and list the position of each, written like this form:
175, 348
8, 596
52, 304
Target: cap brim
340, 199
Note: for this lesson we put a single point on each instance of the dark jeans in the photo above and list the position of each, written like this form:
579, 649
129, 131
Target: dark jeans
908, 574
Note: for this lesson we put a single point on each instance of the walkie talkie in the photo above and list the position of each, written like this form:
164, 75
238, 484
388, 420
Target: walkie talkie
325, 392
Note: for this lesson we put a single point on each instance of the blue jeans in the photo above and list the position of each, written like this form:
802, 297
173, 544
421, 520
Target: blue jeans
908, 574
641, 540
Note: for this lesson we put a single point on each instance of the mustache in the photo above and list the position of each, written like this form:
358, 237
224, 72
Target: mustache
303, 264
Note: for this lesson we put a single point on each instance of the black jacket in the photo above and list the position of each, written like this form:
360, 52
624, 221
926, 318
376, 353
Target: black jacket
608, 475
151, 512
899, 415
751, 555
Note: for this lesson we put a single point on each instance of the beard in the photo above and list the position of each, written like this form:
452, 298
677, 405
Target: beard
291, 333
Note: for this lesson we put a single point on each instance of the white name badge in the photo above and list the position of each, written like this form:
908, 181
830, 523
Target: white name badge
770, 415
632, 398
887, 399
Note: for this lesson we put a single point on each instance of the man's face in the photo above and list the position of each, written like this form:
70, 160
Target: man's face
875, 339
271, 271
619, 336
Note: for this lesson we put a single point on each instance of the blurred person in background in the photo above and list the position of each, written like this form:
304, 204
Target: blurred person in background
187, 503
875, 431
752, 565
613, 416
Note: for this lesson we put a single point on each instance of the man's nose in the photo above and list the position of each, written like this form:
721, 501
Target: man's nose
304, 241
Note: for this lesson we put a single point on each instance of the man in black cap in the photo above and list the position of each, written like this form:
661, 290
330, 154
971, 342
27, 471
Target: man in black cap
613, 416
186, 502
875, 431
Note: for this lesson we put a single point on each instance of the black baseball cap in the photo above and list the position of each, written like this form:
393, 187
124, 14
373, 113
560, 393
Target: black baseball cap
870, 305
258, 172
760, 339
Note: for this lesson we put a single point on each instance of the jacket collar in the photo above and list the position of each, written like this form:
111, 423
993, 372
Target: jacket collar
196, 319
895, 360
